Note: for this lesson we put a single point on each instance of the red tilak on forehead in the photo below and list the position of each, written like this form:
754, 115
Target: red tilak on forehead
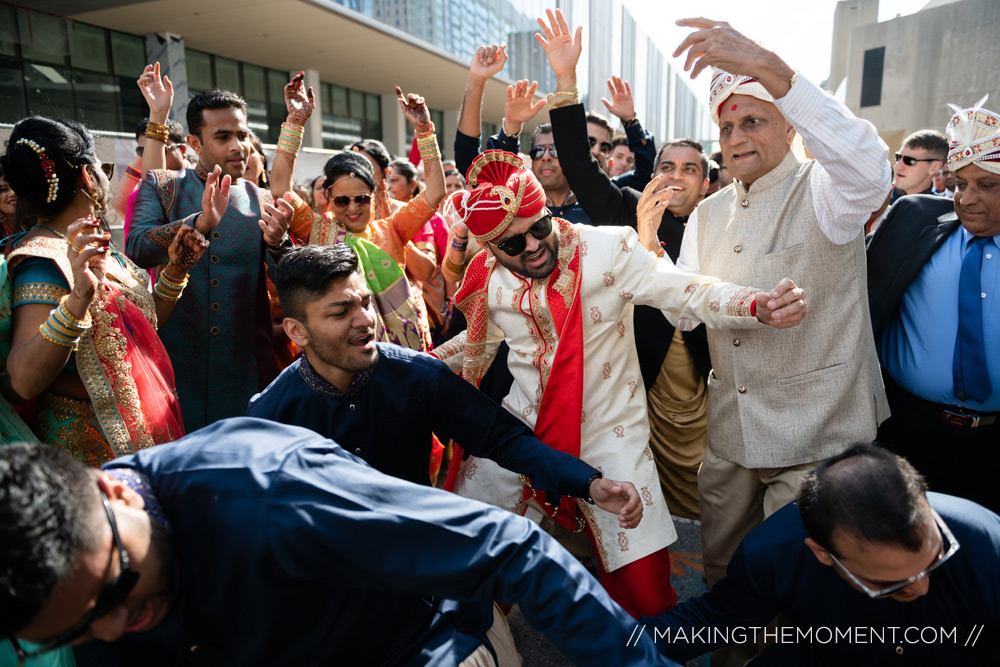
734, 108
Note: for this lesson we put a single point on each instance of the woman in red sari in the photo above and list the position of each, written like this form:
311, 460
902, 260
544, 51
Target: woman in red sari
84, 337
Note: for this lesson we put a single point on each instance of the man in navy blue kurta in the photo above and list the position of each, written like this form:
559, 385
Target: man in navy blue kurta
291, 551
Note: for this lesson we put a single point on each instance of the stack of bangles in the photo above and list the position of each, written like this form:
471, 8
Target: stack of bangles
157, 132
427, 145
167, 289
290, 139
62, 328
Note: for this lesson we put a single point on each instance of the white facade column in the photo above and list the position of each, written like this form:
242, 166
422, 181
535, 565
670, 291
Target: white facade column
446, 134
167, 49
393, 126
313, 137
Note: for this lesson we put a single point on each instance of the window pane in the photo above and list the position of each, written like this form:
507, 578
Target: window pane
275, 104
253, 83
43, 37
132, 107
199, 69
357, 100
49, 92
95, 100
338, 101
13, 108
90, 49
227, 75
8, 31
373, 111
128, 55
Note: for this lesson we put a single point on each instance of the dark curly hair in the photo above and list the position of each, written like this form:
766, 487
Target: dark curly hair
48, 511
68, 145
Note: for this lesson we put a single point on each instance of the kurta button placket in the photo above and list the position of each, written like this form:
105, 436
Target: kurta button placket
214, 259
215, 306
214, 331
741, 389
745, 203
215, 282
216, 235
736, 342
738, 249
352, 407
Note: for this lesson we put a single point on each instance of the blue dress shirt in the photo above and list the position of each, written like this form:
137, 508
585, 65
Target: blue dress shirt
917, 346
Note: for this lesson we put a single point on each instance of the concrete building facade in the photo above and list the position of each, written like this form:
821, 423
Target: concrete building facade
902, 73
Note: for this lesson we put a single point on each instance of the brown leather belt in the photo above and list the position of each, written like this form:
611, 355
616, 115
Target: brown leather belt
949, 414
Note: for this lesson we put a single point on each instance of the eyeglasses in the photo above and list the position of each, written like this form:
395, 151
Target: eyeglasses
605, 145
538, 151
110, 597
166, 147
343, 201
946, 553
909, 160
109, 169
515, 245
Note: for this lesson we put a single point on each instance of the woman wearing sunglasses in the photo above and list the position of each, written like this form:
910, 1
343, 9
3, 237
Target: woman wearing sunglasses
380, 243
84, 343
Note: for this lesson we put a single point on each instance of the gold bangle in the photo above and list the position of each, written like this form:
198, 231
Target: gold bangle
173, 283
453, 266
63, 310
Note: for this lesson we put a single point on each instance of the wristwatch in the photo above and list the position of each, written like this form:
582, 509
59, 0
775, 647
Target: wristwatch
586, 487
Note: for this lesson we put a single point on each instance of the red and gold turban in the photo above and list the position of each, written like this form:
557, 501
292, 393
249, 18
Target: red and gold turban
975, 138
500, 189
725, 84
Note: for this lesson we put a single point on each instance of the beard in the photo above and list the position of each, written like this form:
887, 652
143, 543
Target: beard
518, 265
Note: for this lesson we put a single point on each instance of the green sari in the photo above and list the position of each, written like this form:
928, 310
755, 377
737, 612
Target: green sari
13, 429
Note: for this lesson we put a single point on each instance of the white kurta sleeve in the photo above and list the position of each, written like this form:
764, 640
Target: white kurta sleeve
852, 175
649, 281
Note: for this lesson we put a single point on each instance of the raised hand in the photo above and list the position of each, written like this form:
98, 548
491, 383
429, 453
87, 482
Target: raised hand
158, 91
300, 102
520, 106
717, 44
415, 110
621, 104
274, 220
619, 498
88, 255
654, 201
784, 307
214, 201
185, 250
561, 48
487, 61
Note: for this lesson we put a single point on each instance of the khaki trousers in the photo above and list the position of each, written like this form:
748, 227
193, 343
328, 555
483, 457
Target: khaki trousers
734, 500
503, 643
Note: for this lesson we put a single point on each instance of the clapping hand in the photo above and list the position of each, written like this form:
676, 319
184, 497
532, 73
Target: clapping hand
186, 249
275, 220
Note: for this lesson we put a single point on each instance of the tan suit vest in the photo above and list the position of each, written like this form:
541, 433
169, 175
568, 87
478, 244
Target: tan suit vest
783, 397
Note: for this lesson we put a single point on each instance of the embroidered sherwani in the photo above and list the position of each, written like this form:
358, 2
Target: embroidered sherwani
219, 336
614, 272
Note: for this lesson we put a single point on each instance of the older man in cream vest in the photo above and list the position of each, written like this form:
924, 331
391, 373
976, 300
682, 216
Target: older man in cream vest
819, 389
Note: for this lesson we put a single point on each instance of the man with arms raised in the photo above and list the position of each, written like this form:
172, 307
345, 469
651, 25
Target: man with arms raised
219, 338
819, 390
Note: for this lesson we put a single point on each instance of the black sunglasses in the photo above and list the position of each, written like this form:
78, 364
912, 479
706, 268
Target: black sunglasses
605, 145
110, 597
538, 151
515, 245
909, 160
109, 169
343, 201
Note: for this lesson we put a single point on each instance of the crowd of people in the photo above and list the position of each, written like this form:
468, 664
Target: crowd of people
221, 441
